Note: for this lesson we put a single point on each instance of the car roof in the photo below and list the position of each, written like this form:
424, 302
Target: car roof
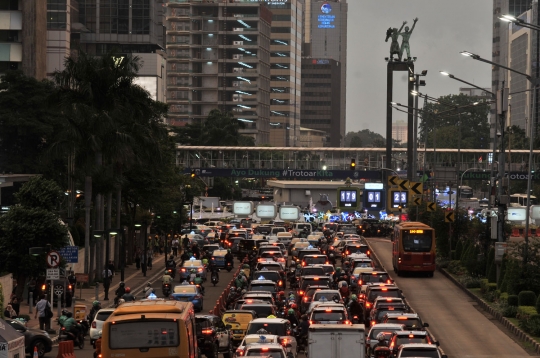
408, 315
263, 345
387, 325
406, 333
263, 282
269, 320
418, 346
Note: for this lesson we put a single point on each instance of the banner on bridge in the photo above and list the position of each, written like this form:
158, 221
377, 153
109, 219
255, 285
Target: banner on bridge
287, 173
485, 175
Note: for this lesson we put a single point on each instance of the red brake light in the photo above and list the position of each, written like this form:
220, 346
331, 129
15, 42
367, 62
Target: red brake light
384, 289
388, 281
301, 293
360, 282
402, 318
43, 287
411, 335
368, 252
368, 304
207, 331
183, 270
373, 323
94, 324
388, 300
264, 349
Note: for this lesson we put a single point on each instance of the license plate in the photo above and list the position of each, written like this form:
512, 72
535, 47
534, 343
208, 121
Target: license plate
237, 331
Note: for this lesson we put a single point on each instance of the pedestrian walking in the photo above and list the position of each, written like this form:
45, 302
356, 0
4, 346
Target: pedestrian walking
41, 307
175, 243
111, 268
143, 263
149, 262
137, 260
107, 276
15, 305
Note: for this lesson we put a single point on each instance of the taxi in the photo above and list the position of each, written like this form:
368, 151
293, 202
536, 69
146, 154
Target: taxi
189, 293
188, 266
411, 321
296, 247
237, 321
219, 258
406, 337
263, 285
253, 338
360, 269
324, 296
285, 238
386, 328
275, 326
329, 313
263, 349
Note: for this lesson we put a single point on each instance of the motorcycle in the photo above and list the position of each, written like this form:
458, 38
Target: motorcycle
78, 340
171, 272
381, 352
214, 277
85, 326
166, 288
301, 341
332, 257
229, 266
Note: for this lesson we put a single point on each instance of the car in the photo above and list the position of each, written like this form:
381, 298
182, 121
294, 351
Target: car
271, 266
307, 298
329, 313
263, 285
312, 270
299, 228
275, 255
324, 296
262, 309
306, 281
61, 286
253, 338
296, 247
192, 264
210, 248
212, 336
380, 290
355, 248
97, 323
275, 326
238, 321
272, 276
386, 328
411, 321
419, 350
378, 315
360, 269
264, 349
33, 338
274, 244
284, 237
317, 259
310, 250
360, 260
239, 302
260, 295
405, 337
189, 293
373, 277
264, 229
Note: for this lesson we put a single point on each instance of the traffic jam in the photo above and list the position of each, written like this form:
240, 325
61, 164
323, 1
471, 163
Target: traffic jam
298, 290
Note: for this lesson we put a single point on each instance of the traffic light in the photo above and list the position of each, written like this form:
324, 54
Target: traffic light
353, 164
193, 174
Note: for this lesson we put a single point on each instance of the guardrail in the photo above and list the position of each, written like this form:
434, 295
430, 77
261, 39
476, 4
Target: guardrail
377, 261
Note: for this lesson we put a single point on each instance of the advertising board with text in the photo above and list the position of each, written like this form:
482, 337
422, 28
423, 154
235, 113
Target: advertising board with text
266, 211
289, 212
243, 208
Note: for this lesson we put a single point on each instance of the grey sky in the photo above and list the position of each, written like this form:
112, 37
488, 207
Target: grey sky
444, 29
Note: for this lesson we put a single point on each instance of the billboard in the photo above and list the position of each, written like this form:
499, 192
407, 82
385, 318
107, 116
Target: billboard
517, 214
289, 212
266, 211
347, 198
243, 208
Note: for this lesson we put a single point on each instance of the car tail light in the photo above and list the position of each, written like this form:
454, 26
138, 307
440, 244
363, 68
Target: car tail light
183, 270
264, 349
280, 283
331, 247
207, 331
94, 324
311, 322
411, 335
239, 352
388, 281
360, 282
70, 287
368, 253
303, 263
200, 270
305, 299
301, 293
373, 323
368, 305
347, 322
347, 252
43, 287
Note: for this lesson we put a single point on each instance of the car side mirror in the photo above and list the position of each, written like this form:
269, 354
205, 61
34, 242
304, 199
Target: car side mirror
426, 324
228, 326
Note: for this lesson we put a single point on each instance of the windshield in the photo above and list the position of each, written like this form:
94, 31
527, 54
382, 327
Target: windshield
354, 249
302, 226
266, 288
381, 313
381, 293
313, 271
264, 229
328, 295
268, 254
429, 353
262, 311
271, 328
148, 334
320, 282
102, 315
315, 260
328, 316
266, 353
406, 340
272, 276
417, 243
374, 278
374, 332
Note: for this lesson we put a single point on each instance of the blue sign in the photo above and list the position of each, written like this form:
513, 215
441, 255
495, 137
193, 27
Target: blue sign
70, 254
326, 8
326, 21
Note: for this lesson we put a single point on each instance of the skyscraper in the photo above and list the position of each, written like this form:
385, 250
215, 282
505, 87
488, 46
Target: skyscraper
327, 38
218, 57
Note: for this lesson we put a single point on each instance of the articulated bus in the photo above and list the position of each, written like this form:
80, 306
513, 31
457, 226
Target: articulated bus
413, 248
150, 329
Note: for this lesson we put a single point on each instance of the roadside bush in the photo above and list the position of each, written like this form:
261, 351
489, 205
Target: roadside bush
455, 268
527, 298
484, 285
503, 296
506, 310
459, 250
442, 262
528, 319
534, 325
525, 312
491, 294
513, 300
538, 304
470, 282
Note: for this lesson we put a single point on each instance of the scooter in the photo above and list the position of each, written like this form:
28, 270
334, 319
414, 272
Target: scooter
166, 288
171, 272
229, 266
78, 340
214, 277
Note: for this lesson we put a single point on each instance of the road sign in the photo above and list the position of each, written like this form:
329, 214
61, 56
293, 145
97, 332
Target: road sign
70, 254
449, 216
53, 259
417, 201
416, 188
53, 274
431, 206
82, 277
393, 180
58, 290
404, 184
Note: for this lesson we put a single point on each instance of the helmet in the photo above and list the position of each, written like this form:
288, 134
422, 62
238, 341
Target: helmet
122, 284
290, 311
229, 251
171, 257
338, 269
69, 314
128, 290
120, 301
304, 317
347, 263
233, 289
281, 293
96, 304
293, 263
294, 306
354, 297
271, 316
243, 291
64, 312
381, 337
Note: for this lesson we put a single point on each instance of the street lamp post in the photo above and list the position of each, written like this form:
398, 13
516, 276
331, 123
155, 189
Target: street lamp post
108, 233
533, 82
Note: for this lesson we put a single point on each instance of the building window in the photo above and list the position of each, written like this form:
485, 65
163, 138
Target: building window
9, 36
9, 5
281, 30
281, 17
141, 17
59, 5
123, 16
56, 20
87, 14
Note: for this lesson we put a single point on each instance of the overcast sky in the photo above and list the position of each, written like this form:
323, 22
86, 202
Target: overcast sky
444, 29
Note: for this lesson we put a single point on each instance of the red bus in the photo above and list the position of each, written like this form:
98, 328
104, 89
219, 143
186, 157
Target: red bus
413, 248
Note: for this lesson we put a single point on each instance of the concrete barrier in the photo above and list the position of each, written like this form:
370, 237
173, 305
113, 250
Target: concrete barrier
65, 349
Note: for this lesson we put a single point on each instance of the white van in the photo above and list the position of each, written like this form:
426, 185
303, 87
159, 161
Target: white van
285, 238
299, 227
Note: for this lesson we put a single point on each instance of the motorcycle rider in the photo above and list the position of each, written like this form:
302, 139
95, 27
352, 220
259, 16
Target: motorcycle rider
128, 297
199, 282
72, 327
355, 310
96, 306
171, 264
304, 233
303, 331
119, 292
212, 267
148, 290
291, 316
166, 280
62, 318
382, 342
344, 290
229, 257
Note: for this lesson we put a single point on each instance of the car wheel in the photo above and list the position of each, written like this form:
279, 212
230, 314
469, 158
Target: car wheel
40, 345
214, 352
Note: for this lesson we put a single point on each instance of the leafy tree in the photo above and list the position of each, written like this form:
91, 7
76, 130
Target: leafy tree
356, 142
442, 120
26, 122
218, 129
32, 223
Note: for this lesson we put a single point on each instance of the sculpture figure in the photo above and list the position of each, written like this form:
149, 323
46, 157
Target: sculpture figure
406, 35
394, 45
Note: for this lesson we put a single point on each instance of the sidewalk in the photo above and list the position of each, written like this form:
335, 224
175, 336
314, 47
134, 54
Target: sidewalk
133, 279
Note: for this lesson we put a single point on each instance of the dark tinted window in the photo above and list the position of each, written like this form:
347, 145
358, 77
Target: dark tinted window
266, 275
315, 260
417, 243
410, 323
406, 340
328, 316
102, 316
322, 281
262, 311
266, 288
312, 271
388, 293
271, 328
368, 277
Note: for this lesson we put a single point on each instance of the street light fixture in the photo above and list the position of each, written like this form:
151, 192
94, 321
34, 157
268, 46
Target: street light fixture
533, 82
108, 233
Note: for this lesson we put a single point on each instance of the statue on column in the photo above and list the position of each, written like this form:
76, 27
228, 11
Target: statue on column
395, 49
406, 35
